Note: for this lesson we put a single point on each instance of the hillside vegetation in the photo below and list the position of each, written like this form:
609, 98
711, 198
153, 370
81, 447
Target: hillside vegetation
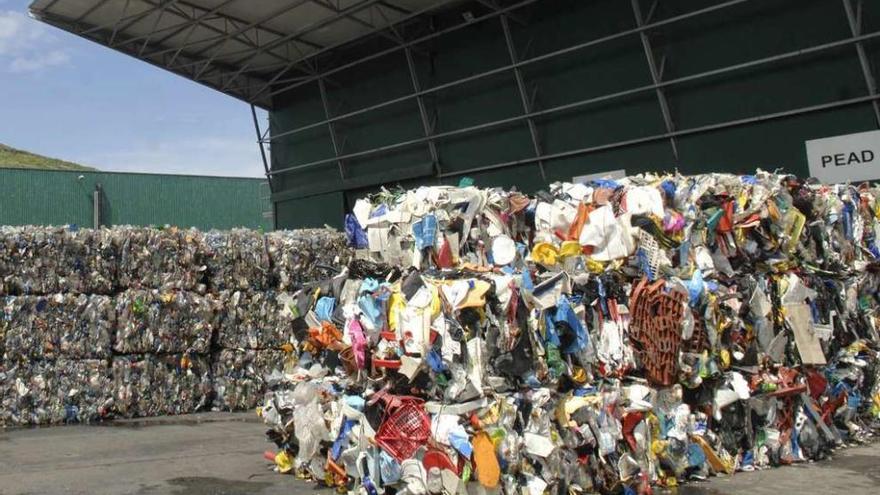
13, 158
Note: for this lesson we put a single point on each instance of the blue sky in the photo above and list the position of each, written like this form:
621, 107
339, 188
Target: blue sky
68, 98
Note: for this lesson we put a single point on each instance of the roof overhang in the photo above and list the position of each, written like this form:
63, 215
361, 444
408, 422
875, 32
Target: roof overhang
243, 48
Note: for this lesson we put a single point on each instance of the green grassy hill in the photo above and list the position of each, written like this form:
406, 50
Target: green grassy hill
13, 158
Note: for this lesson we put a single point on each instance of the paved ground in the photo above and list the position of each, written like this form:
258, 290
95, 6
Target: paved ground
222, 454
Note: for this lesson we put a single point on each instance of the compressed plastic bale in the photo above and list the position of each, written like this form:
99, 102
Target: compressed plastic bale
46, 260
90, 261
172, 321
254, 320
239, 377
157, 385
169, 258
35, 392
236, 259
301, 256
59, 325
32, 258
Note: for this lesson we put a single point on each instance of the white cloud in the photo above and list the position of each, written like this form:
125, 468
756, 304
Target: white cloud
26, 45
39, 61
200, 156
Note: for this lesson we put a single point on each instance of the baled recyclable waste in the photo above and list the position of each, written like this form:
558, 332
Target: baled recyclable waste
137, 321
298, 257
255, 320
600, 337
59, 325
173, 321
239, 377
38, 391
236, 259
162, 384
43, 260
164, 259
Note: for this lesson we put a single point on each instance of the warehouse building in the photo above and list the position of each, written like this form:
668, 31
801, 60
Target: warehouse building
91, 198
365, 93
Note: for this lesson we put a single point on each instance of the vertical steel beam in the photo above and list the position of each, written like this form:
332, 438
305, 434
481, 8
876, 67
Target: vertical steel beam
423, 112
655, 75
262, 147
523, 95
855, 26
331, 127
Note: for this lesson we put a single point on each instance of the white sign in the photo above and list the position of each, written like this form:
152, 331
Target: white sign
849, 158
611, 174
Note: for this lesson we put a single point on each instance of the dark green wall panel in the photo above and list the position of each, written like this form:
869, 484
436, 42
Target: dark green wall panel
618, 131
313, 211
59, 198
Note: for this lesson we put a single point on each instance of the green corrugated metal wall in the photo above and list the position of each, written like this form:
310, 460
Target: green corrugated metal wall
41, 197
741, 33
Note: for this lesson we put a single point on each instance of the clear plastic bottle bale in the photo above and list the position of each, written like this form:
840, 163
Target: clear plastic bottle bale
33, 259
8, 305
131, 382
83, 389
239, 377
301, 256
24, 393
169, 321
168, 258
157, 385
46, 260
7, 267
236, 259
37, 392
59, 326
254, 320
90, 262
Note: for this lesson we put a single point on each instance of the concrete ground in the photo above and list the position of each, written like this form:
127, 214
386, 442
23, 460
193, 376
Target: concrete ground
222, 454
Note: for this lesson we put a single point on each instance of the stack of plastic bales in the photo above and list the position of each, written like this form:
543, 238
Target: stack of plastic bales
165, 323
36, 260
300, 257
162, 346
599, 337
165, 259
133, 321
55, 356
236, 260
257, 327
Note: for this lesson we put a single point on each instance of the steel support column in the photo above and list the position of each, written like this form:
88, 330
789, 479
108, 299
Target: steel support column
331, 127
523, 95
262, 147
656, 77
423, 112
855, 25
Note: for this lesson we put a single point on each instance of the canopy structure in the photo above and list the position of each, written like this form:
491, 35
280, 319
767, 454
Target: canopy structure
239, 47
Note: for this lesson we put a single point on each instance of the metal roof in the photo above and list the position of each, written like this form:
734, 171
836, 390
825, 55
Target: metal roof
239, 47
